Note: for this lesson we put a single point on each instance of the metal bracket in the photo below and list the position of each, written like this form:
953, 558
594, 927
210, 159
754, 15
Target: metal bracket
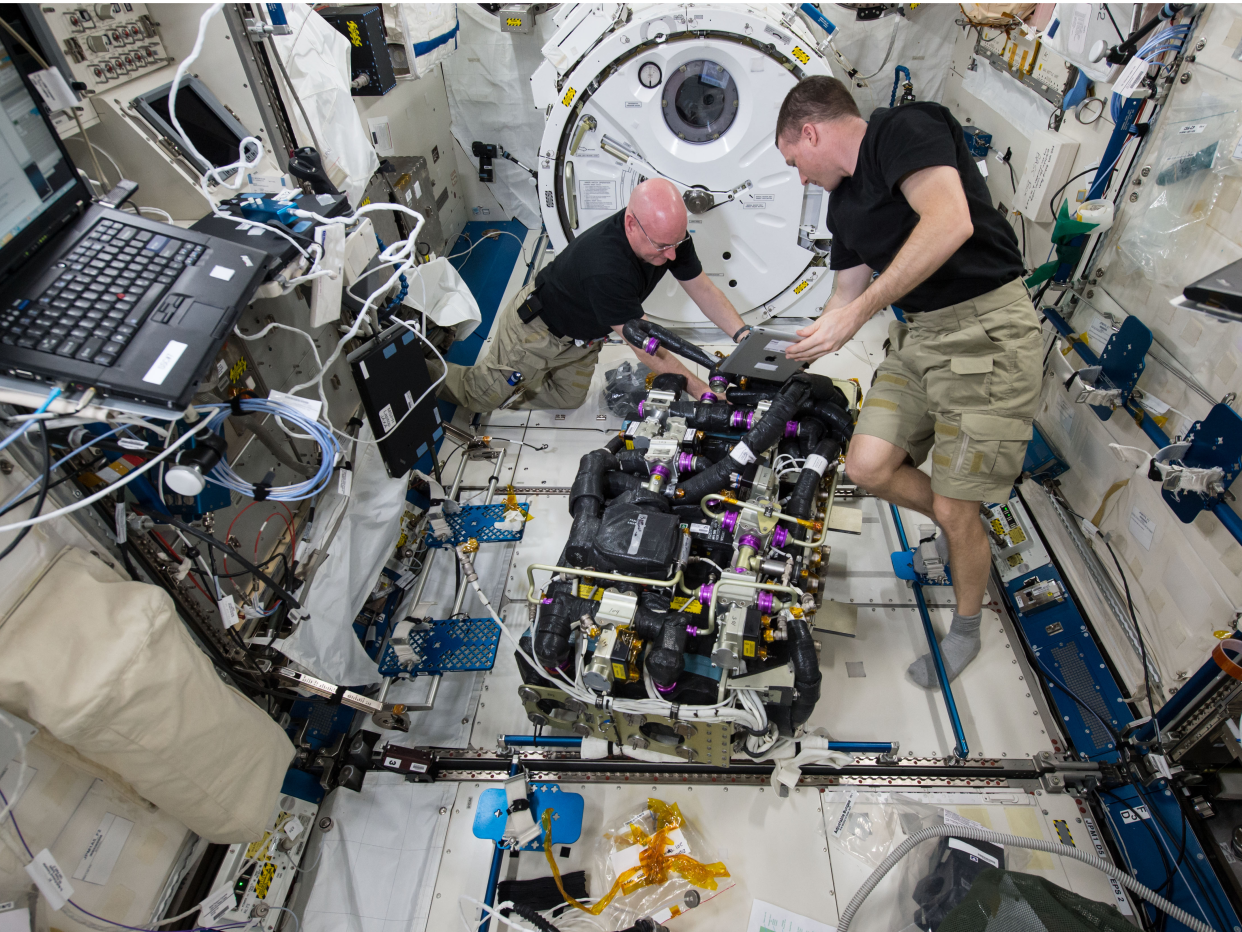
1122, 362
1216, 441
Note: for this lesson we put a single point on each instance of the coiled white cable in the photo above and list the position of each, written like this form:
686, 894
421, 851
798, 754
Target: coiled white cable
1013, 841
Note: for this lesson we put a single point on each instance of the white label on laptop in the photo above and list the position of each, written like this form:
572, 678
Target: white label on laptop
387, 421
253, 231
50, 879
246, 259
102, 853
164, 362
409, 401
363, 366
222, 273
766, 366
779, 346
307, 406
973, 852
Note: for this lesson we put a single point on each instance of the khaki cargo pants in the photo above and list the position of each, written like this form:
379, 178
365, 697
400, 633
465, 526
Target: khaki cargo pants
962, 383
556, 372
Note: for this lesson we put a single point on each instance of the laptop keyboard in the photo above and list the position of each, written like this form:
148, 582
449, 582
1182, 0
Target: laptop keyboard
107, 285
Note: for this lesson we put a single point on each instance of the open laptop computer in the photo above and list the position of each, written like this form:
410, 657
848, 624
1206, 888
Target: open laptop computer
1219, 293
96, 297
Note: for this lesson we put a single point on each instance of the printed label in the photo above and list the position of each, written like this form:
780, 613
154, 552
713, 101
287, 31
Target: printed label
952, 818
392, 762
839, 826
700, 529
779, 346
246, 261
1190, 128
293, 828
754, 205
1099, 331
223, 273
640, 525
974, 853
405, 579
363, 366
1129, 80
1078, 27
228, 612
633, 104
742, 453
164, 363
1130, 816
216, 905
122, 529
597, 195
104, 849
766, 366
409, 401
344, 480
816, 462
1123, 904
1142, 527
387, 420
50, 879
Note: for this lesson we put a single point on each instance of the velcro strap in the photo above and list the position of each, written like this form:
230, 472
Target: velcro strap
235, 404
518, 805
261, 490
1224, 661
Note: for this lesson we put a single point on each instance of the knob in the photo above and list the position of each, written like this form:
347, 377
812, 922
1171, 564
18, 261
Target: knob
97, 43
186, 476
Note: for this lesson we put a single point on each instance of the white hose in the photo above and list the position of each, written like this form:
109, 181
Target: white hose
1013, 841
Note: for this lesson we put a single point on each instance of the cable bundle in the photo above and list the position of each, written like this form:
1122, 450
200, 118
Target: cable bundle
223, 474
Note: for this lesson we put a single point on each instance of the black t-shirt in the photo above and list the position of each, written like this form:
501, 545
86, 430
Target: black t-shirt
598, 282
870, 218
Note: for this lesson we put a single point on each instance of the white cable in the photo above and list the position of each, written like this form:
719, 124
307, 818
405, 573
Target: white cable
21, 773
157, 210
297, 924
493, 911
1012, 841
107, 489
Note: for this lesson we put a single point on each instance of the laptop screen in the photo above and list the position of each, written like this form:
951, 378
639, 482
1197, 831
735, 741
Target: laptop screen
34, 174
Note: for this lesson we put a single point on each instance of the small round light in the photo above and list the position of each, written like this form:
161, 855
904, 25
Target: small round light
649, 75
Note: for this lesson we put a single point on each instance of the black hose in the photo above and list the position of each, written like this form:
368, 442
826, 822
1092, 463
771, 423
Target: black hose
551, 643
586, 504
665, 633
634, 463
640, 333
533, 918
807, 676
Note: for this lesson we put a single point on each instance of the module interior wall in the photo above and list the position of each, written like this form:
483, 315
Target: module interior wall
1185, 577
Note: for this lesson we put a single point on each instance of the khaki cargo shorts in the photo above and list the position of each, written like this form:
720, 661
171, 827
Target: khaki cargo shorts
962, 383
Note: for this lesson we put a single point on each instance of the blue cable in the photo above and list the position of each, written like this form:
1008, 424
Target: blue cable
60, 462
52, 396
892, 100
405, 286
223, 475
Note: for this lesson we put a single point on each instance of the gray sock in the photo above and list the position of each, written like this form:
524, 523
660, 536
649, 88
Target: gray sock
957, 649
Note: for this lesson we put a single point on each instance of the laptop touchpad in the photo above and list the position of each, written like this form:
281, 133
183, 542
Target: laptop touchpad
194, 315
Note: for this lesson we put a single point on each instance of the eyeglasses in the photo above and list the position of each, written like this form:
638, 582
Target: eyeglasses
660, 247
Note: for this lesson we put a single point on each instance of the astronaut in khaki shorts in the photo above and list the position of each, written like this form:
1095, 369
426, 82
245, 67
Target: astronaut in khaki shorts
962, 379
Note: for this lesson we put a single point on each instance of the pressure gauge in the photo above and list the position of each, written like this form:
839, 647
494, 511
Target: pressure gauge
649, 75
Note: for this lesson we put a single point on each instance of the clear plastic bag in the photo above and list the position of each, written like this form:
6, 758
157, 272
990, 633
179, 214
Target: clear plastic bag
646, 864
867, 825
1165, 233
624, 387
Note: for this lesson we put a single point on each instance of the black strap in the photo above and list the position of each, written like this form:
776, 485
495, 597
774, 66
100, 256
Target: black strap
235, 404
519, 805
337, 696
353, 422
260, 491
740, 330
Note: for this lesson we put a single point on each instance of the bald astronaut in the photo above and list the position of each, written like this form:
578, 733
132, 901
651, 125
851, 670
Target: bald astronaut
548, 338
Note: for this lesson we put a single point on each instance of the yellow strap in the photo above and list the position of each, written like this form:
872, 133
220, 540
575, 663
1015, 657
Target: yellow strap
1112, 490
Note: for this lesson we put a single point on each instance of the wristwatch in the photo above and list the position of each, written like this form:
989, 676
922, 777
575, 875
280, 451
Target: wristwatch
743, 329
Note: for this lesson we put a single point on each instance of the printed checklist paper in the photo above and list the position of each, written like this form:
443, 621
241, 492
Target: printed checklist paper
764, 917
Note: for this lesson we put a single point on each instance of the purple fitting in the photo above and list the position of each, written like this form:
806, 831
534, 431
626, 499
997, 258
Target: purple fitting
651, 346
779, 537
742, 419
659, 469
665, 690
751, 541
730, 521
546, 601
685, 462
705, 593
718, 384
764, 602
791, 428
708, 396
641, 405
692, 631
